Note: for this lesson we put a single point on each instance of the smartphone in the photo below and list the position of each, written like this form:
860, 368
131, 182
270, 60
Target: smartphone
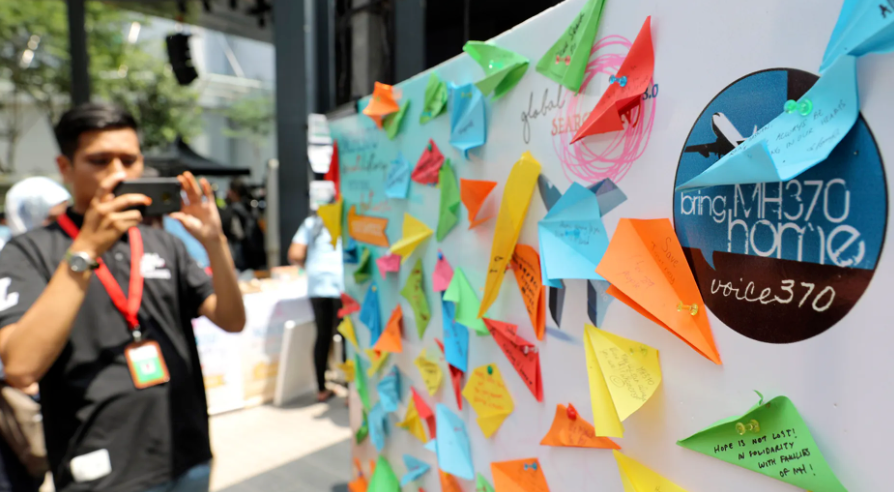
164, 192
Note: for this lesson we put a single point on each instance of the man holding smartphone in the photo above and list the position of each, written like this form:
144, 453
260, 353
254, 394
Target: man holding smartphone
97, 308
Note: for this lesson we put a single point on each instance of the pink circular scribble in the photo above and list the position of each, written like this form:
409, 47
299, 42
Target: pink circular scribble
608, 155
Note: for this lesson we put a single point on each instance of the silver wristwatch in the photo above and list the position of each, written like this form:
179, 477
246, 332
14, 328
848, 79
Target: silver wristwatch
80, 262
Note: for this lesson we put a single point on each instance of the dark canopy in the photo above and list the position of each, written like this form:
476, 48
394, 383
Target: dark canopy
180, 157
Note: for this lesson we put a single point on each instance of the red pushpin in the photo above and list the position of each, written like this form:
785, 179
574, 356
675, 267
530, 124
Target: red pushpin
572, 413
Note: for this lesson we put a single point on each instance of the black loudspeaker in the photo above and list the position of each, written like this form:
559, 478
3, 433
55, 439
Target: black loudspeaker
181, 59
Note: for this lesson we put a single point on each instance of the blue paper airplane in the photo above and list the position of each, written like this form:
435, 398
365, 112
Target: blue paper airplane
369, 314
468, 117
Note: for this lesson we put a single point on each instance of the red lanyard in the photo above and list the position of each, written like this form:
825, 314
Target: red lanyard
129, 307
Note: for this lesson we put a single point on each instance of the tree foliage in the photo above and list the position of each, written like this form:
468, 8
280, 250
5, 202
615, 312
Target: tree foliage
251, 118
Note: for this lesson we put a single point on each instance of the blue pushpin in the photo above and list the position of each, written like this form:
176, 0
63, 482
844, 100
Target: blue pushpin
440, 255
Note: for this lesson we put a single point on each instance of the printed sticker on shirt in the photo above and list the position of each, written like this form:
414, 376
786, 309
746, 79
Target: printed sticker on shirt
7, 299
153, 266
91, 466
147, 366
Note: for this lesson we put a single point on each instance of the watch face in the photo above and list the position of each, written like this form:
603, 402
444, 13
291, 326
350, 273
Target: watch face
78, 263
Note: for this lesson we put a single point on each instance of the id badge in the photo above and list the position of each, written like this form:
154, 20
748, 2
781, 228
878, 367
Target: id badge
147, 365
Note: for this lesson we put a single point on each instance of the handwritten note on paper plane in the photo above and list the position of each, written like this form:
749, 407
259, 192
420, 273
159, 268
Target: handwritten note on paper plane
648, 272
430, 371
456, 337
473, 193
863, 27
388, 264
390, 340
415, 469
363, 272
412, 422
448, 207
636, 477
414, 232
487, 394
453, 448
443, 274
566, 61
526, 266
425, 412
503, 69
435, 99
381, 103
519, 476
513, 209
378, 426
569, 429
796, 140
331, 214
366, 228
428, 165
468, 118
523, 355
369, 314
383, 478
361, 383
461, 293
572, 237
482, 485
393, 121
389, 390
770, 438
625, 91
346, 328
415, 295
623, 375
397, 182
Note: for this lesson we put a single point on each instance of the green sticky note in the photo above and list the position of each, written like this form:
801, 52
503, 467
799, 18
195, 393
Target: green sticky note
363, 431
566, 61
448, 210
771, 438
435, 99
391, 123
415, 295
383, 479
482, 485
503, 69
360, 381
364, 267
461, 293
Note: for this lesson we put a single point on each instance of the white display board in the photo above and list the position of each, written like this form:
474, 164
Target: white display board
702, 47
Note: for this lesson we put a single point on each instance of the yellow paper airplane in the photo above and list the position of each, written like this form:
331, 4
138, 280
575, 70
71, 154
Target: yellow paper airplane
487, 394
346, 328
623, 375
513, 209
636, 477
431, 372
412, 423
331, 215
414, 232
348, 368
378, 361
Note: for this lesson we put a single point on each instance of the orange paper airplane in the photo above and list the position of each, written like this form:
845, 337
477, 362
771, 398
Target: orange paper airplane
569, 429
366, 228
390, 339
519, 476
424, 412
625, 90
359, 484
473, 192
348, 305
648, 272
448, 482
526, 265
381, 103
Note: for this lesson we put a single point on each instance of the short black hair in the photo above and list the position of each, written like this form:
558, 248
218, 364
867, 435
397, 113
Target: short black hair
89, 117
240, 187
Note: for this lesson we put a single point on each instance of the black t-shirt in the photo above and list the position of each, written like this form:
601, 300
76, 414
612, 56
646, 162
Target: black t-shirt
89, 400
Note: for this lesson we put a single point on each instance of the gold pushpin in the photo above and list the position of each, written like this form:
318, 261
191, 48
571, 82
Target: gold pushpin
752, 426
692, 308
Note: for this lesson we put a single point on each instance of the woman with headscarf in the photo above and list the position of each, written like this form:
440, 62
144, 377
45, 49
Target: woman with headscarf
30, 204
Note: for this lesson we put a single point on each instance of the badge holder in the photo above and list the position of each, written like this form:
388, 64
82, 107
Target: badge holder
145, 361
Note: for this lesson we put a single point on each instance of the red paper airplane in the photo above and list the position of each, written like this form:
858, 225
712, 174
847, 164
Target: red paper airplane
521, 353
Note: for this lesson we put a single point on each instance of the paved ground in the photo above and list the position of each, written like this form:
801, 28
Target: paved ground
303, 447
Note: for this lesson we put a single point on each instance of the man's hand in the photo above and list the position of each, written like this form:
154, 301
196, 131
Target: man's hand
200, 217
108, 217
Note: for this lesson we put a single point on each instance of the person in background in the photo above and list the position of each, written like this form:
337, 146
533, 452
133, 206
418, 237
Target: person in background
121, 384
34, 202
312, 249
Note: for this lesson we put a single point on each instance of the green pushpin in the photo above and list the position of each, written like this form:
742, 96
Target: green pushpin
490, 369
